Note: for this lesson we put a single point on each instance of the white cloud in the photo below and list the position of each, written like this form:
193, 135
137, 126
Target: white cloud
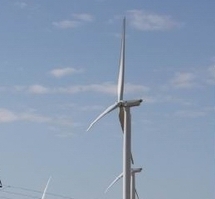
183, 80
211, 71
34, 118
106, 88
38, 89
11, 116
7, 116
165, 98
84, 17
65, 24
190, 113
61, 72
146, 21
78, 19
133, 88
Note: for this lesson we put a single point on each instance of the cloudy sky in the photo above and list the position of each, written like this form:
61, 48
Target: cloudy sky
58, 72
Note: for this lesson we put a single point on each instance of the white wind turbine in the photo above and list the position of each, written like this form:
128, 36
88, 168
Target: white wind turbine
46, 187
133, 183
124, 117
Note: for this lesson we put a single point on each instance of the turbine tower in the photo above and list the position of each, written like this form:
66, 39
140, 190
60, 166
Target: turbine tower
133, 183
124, 118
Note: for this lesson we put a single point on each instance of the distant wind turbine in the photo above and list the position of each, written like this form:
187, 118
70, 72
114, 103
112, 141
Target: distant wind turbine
46, 187
133, 183
124, 118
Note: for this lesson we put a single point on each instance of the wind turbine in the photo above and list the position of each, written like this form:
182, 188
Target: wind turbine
46, 187
133, 186
124, 118
133, 182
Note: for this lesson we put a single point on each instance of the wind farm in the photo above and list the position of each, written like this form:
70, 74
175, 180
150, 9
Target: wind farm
139, 77
124, 118
124, 107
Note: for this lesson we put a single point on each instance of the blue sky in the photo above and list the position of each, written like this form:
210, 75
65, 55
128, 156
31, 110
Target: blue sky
58, 71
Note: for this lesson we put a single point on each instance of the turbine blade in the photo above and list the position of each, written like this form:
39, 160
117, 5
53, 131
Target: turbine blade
137, 194
44, 192
132, 159
121, 66
121, 120
108, 110
117, 178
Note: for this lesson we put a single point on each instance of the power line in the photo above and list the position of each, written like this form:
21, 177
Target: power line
20, 194
5, 197
29, 190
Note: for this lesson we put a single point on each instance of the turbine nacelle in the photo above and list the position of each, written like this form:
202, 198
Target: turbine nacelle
130, 103
120, 104
136, 170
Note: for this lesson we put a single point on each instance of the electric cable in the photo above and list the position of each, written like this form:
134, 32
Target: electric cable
29, 190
